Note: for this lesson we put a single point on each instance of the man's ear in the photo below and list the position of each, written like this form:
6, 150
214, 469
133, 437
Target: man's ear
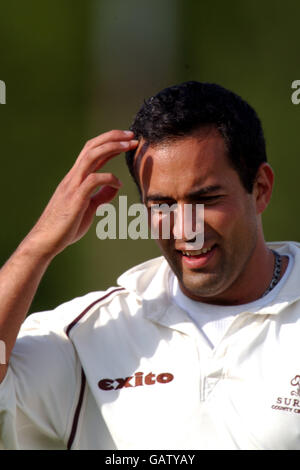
263, 186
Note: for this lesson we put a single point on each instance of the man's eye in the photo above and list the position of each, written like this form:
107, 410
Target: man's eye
207, 199
156, 208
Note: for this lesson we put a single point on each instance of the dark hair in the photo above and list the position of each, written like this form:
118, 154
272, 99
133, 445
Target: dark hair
180, 110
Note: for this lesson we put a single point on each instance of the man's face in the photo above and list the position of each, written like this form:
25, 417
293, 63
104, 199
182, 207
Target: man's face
192, 170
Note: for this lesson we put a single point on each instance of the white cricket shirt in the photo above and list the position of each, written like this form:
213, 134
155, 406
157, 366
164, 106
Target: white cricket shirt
128, 369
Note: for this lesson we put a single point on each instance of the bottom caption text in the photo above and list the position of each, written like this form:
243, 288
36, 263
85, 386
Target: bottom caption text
150, 459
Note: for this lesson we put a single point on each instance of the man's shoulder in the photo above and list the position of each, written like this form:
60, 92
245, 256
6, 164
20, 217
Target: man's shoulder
55, 321
138, 278
125, 300
61, 319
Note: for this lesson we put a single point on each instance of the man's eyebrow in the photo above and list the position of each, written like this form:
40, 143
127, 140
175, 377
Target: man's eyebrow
157, 197
192, 195
204, 191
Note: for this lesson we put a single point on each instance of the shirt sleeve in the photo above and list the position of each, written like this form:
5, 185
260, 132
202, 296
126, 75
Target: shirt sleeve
39, 392
8, 438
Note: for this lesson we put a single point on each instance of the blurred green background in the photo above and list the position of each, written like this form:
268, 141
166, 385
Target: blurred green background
76, 69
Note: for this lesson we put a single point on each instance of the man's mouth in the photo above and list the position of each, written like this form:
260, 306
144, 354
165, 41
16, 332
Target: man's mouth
203, 251
195, 259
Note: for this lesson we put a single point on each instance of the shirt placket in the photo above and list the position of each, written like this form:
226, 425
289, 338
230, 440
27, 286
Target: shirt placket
214, 362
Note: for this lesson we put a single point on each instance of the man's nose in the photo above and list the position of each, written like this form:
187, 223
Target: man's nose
188, 224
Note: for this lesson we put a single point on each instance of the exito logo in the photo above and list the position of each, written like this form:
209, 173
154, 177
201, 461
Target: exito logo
2, 92
136, 380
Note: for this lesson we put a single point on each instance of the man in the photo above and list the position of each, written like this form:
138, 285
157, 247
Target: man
198, 349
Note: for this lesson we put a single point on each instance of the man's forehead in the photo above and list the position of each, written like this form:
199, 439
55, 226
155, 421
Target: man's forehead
182, 165
201, 136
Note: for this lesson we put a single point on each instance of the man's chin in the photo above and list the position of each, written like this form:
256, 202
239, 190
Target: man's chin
201, 290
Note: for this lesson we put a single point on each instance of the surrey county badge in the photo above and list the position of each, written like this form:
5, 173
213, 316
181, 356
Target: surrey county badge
291, 405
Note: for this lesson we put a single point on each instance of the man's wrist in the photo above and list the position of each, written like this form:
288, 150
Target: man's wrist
37, 249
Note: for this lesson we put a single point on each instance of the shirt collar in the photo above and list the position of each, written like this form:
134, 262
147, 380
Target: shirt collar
290, 291
150, 282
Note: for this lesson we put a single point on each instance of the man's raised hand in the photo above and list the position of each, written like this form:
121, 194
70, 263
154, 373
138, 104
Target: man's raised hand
70, 211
